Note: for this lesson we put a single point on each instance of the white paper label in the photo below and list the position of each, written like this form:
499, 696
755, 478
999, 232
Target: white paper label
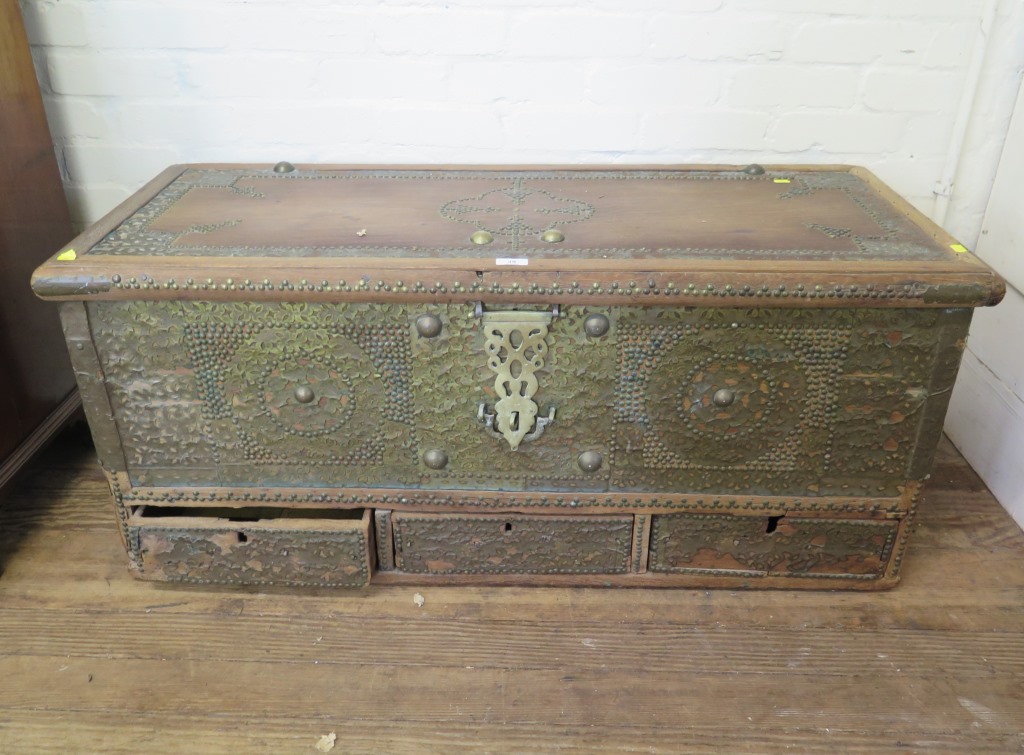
521, 261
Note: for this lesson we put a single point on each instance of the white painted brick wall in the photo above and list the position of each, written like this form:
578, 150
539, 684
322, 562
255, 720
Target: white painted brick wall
787, 88
130, 86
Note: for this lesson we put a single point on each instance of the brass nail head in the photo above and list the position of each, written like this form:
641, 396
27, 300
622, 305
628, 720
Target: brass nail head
435, 458
596, 325
724, 397
428, 326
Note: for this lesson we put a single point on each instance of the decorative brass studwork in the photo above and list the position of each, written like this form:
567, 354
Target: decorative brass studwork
590, 461
596, 325
428, 326
304, 394
435, 458
553, 236
482, 237
724, 397
517, 212
284, 167
754, 170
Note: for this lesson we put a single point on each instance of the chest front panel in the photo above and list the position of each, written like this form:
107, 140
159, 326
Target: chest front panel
718, 401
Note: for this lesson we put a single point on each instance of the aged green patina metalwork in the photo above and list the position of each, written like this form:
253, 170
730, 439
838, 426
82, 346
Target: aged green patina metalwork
822, 402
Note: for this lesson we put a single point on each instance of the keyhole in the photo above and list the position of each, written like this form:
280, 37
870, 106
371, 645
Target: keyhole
507, 527
773, 524
242, 537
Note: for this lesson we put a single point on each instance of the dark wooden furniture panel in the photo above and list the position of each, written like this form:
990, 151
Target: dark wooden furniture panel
35, 376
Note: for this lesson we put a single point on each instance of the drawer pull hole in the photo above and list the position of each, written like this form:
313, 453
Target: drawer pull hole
242, 537
507, 527
773, 524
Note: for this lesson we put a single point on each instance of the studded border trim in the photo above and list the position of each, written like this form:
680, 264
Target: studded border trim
479, 500
662, 285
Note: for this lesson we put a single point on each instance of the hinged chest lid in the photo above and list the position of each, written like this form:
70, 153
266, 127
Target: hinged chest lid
714, 236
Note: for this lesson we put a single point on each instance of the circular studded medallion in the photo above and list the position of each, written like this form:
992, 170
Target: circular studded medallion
726, 398
307, 398
303, 395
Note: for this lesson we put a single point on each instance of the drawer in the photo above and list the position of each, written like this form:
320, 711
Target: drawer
254, 546
511, 544
771, 546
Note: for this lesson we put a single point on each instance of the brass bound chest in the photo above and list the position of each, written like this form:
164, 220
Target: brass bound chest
328, 376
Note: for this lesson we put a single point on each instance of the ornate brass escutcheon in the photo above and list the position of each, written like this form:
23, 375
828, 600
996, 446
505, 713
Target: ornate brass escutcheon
516, 348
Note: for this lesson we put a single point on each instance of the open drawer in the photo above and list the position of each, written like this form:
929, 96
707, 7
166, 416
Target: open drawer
252, 546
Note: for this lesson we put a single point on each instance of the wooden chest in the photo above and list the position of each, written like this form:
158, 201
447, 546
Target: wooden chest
711, 376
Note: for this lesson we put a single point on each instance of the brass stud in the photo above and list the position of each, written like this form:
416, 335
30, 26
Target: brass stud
754, 170
553, 236
304, 394
590, 461
435, 458
481, 238
284, 167
724, 397
596, 325
428, 326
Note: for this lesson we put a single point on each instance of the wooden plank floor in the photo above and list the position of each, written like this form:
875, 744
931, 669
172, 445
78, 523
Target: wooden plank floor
94, 661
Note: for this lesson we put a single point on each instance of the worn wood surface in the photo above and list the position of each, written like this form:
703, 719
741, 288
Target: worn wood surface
788, 236
95, 661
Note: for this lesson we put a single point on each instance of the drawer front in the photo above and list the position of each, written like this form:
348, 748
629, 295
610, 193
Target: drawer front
190, 547
511, 544
771, 546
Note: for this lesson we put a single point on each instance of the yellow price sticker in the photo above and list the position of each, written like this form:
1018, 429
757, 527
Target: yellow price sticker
67, 256
782, 180
958, 248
